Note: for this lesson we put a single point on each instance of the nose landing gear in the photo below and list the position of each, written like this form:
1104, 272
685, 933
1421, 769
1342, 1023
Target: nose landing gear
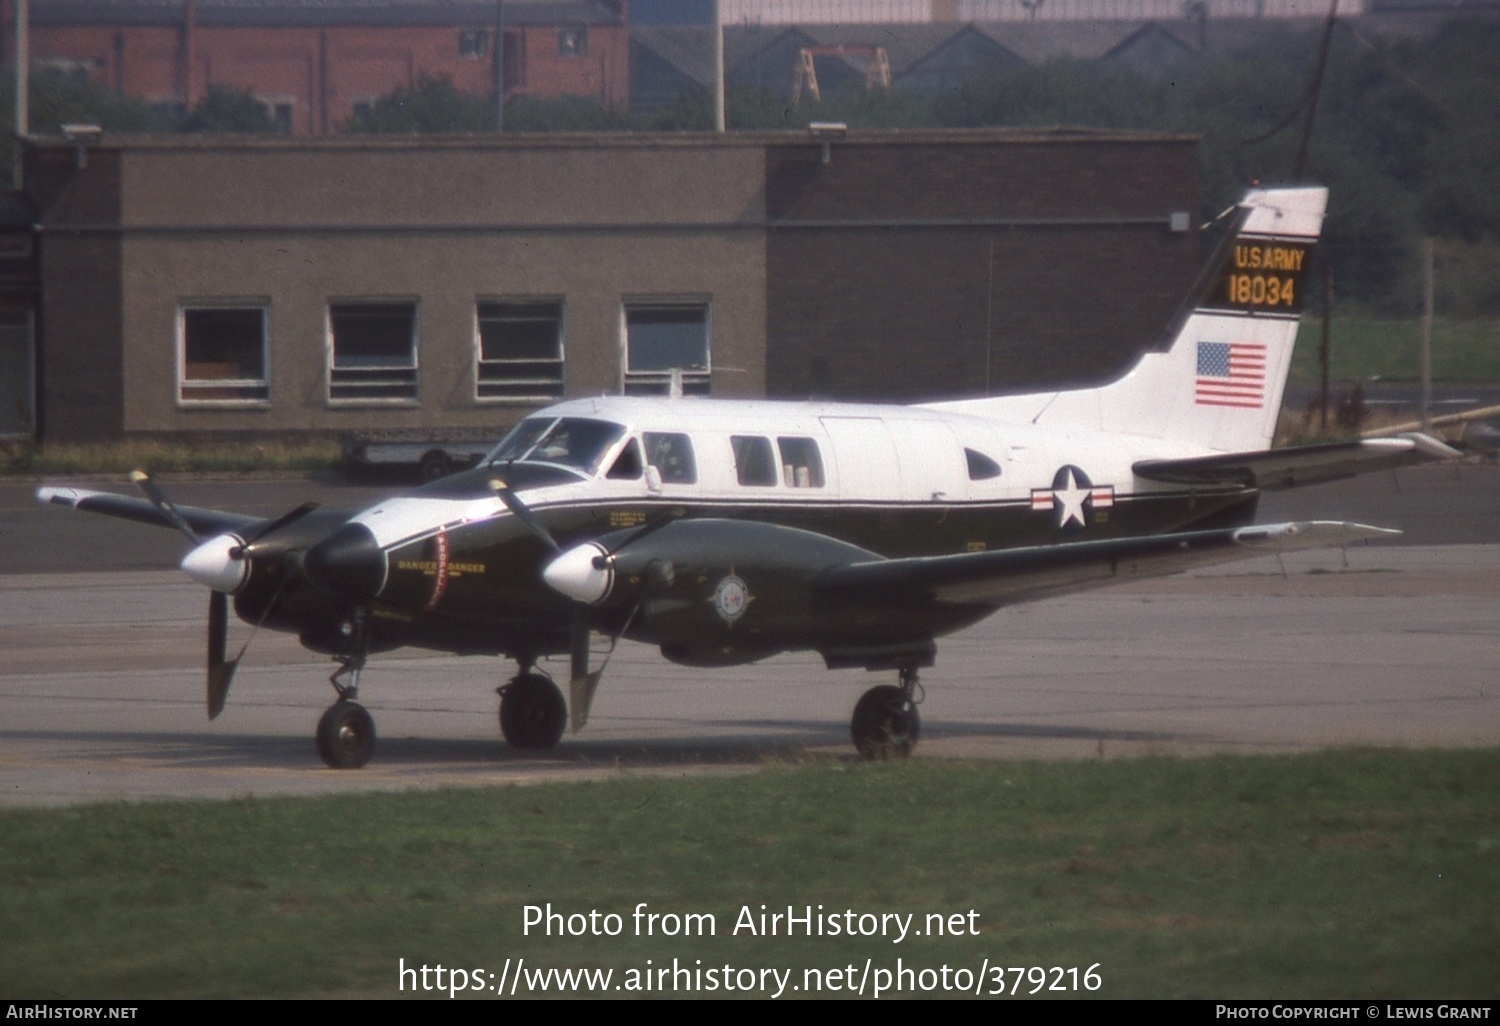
346, 731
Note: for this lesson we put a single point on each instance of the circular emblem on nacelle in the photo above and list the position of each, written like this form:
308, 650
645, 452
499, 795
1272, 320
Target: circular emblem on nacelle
731, 597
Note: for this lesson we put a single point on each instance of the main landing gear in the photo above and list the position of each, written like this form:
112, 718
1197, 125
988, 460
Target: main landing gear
885, 723
346, 731
532, 710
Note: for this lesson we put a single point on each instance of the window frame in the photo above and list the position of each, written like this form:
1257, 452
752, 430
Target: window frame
579, 34
547, 391
473, 44
695, 381
185, 398
415, 367
273, 104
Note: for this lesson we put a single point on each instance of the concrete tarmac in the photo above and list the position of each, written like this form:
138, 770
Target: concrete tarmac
101, 685
102, 653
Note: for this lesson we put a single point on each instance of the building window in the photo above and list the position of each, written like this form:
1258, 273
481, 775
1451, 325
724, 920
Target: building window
573, 42
520, 350
473, 43
372, 351
223, 354
279, 109
662, 339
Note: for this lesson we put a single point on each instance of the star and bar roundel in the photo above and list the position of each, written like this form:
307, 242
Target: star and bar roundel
1073, 498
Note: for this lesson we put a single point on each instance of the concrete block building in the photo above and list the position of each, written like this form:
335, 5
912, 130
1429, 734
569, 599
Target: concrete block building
195, 287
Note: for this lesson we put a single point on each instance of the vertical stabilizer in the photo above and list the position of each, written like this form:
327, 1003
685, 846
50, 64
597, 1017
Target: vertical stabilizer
1217, 384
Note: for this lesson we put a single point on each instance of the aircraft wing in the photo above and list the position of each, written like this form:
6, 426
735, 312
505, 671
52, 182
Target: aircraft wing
1007, 576
204, 522
1277, 469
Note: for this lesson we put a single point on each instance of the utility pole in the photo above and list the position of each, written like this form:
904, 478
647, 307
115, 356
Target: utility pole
498, 62
23, 97
1325, 351
1427, 260
718, 67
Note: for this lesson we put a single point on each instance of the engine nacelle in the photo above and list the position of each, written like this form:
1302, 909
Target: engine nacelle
715, 592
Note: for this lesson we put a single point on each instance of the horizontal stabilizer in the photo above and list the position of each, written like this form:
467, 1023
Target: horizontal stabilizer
1276, 469
205, 522
1008, 576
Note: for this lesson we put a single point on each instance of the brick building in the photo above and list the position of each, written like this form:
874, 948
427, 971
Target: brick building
241, 287
313, 65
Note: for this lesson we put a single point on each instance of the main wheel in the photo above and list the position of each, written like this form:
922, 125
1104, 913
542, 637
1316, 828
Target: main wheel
532, 712
434, 465
346, 735
885, 724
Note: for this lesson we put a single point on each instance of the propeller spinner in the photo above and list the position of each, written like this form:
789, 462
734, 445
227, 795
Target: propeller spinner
222, 564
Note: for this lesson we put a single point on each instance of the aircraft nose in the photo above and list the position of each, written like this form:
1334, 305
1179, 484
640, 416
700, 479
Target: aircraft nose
348, 562
216, 564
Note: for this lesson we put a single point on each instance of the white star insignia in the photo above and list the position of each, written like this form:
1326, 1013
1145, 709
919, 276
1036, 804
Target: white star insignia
1071, 497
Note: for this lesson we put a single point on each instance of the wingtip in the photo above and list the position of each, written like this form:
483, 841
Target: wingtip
1311, 534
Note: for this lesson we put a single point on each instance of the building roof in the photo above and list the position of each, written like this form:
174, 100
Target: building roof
283, 13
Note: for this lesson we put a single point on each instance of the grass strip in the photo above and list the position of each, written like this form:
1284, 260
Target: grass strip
1358, 873
1367, 348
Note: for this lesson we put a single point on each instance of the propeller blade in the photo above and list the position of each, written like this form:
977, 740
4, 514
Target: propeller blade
515, 505
161, 502
220, 671
581, 683
286, 518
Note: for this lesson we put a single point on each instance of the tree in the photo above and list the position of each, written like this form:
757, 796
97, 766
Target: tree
432, 105
226, 110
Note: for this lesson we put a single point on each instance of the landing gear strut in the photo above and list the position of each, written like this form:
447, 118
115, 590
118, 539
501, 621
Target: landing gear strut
532, 711
346, 731
886, 724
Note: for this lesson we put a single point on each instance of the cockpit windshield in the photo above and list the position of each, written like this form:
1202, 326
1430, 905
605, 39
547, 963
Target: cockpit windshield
577, 442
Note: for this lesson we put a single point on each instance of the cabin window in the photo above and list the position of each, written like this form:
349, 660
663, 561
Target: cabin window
661, 338
801, 463
223, 354
981, 467
627, 465
753, 462
672, 456
520, 350
372, 351
579, 442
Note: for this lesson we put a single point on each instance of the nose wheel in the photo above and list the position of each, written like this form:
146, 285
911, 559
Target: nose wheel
346, 731
346, 735
886, 724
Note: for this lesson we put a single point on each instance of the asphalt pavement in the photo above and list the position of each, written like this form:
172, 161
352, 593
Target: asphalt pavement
101, 665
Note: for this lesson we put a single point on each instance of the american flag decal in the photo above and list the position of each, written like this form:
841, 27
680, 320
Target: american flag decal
1231, 374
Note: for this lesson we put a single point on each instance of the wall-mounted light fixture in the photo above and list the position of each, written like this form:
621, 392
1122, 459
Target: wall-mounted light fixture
827, 133
81, 134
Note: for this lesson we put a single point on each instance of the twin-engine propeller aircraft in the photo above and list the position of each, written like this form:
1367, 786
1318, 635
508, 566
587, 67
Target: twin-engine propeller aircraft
727, 531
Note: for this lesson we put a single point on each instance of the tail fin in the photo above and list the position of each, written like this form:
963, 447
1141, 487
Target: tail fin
1218, 384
